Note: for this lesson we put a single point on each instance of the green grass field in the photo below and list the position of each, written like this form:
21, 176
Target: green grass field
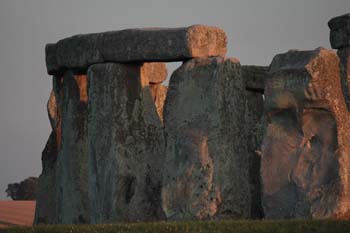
234, 226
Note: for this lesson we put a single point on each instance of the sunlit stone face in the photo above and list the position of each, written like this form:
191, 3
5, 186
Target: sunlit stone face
302, 159
302, 149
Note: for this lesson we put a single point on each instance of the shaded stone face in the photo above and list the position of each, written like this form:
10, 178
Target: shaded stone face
72, 202
51, 62
340, 31
46, 198
305, 151
206, 169
344, 55
254, 78
126, 145
135, 45
63, 186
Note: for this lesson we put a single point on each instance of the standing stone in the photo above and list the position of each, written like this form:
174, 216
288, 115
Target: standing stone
206, 172
45, 200
45, 212
126, 145
305, 152
72, 200
135, 45
254, 78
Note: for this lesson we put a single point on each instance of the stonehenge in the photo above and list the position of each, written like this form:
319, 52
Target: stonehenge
222, 140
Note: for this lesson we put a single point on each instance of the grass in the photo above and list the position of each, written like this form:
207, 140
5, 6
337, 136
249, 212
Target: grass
234, 226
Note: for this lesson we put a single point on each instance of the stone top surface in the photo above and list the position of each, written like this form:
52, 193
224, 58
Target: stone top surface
339, 22
135, 45
293, 60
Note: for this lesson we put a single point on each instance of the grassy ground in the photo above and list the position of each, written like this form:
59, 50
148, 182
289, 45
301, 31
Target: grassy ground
295, 226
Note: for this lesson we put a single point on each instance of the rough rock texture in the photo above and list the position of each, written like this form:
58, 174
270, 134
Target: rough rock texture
305, 152
72, 202
344, 55
51, 62
155, 71
126, 145
46, 202
340, 31
159, 92
254, 78
135, 45
206, 172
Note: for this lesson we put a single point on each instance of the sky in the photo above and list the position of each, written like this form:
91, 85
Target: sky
256, 29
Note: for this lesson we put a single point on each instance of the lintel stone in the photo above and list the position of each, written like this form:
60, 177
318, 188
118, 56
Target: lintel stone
340, 31
135, 45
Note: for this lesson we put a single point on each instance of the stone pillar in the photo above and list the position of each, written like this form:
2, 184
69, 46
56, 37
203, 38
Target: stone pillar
305, 152
72, 161
63, 187
206, 174
254, 78
126, 145
46, 202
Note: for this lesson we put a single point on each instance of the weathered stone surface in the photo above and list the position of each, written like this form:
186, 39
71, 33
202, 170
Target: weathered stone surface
341, 21
45, 201
340, 31
254, 125
51, 61
305, 152
155, 71
254, 77
72, 201
159, 92
46, 198
136, 45
340, 38
126, 145
206, 172
344, 55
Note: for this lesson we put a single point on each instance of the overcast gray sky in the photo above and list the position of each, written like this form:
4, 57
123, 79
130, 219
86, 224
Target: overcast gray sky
256, 30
